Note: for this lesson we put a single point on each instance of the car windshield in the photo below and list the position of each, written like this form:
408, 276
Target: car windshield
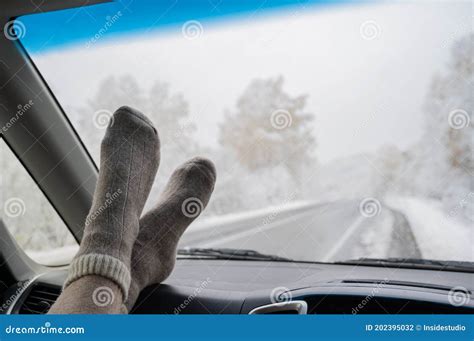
339, 130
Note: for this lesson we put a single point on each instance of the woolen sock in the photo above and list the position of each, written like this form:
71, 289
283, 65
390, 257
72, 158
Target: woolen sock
128, 165
185, 196
90, 295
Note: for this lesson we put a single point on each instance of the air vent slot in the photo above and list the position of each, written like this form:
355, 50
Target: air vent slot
40, 298
397, 283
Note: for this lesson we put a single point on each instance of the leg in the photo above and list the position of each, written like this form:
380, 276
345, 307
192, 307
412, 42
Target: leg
129, 161
90, 294
185, 196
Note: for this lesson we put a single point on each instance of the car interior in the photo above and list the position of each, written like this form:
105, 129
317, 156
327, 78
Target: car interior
209, 280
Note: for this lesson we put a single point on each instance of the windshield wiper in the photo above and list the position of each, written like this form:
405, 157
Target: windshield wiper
229, 254
413, 263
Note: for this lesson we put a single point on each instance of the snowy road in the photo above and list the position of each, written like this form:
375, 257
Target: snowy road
317, 232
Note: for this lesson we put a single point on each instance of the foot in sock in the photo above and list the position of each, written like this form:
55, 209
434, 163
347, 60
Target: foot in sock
187, 193
128, 165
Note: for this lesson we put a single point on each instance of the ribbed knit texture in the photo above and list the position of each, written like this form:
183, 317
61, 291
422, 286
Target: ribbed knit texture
187, 193
129, 158
101, 265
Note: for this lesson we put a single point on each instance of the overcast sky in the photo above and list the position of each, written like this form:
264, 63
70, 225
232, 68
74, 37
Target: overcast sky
364, 92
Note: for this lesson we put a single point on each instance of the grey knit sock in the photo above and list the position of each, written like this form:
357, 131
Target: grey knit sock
128, 165
90, 294
185, 196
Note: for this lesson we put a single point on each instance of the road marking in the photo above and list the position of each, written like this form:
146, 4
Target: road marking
347, 234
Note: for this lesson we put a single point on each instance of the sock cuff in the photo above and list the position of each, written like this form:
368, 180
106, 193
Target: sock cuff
100, 265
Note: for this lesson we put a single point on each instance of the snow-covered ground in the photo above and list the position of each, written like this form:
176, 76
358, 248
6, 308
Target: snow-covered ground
376, 239
438, 235
63, 255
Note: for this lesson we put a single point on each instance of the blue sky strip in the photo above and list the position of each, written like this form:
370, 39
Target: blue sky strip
51, 30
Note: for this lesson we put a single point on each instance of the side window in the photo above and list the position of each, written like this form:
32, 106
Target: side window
29, 216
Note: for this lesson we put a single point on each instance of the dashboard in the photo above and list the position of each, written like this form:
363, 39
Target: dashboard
208, 286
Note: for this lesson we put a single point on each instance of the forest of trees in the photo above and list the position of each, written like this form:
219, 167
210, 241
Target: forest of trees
440, 165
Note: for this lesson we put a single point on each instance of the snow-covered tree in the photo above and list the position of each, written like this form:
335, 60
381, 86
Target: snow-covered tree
25, 210
444, 163
168, 111
270, 128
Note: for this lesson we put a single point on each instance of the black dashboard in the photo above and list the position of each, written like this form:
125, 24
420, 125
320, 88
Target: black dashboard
207, 286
